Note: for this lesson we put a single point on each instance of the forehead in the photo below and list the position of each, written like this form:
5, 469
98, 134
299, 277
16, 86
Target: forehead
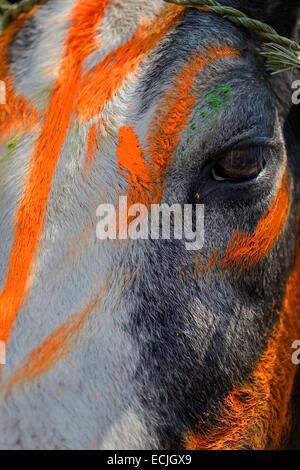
198, 34
206, 74
161, 38
155, 68
142, 66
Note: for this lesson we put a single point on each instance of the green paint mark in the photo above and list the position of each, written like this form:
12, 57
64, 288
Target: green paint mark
219, 100
12, 143
203, 113
214, 117
6, 157
226, 90
215, 101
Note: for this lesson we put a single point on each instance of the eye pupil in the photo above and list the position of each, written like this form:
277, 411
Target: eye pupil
240, 165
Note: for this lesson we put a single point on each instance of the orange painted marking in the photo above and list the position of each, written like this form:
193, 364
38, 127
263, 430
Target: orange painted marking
248, 249
91, 148
53, 349
203, 9
56, 346
31, 212
198, 265
133, 166
17, 114
212, 261
105, 79
257, 414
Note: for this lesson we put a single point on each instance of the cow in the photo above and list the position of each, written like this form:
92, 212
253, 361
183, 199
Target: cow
145, 344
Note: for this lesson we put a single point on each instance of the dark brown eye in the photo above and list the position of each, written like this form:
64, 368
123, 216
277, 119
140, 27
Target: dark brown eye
240, 165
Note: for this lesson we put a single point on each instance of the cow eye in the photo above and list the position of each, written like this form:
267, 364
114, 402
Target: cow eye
240, 165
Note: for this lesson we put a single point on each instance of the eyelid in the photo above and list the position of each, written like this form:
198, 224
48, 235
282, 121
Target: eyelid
271, 145
258, 142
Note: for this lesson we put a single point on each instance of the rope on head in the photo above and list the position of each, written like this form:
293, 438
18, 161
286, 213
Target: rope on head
10, 12
282, 54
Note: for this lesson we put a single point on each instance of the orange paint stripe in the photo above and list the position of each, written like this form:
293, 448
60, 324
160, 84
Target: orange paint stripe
17, 113
198, 266
103, 81
175, 109
134, 168
246, 250
56, 346
31, 212
52, 350
133, 165
212, 261
91, 148
257, 414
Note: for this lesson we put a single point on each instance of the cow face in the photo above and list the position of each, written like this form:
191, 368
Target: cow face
146, 343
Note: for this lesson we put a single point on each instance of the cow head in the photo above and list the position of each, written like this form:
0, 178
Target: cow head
179, 348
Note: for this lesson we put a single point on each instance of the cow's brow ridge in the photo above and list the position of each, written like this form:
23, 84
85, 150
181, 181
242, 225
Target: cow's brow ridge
282, 53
